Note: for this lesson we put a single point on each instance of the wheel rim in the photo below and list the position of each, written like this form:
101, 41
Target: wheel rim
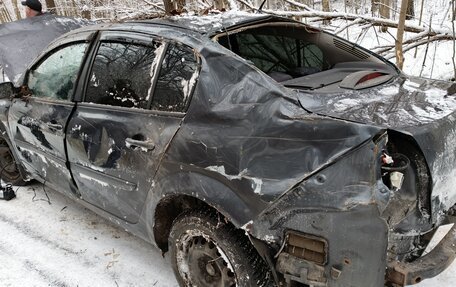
202, 263
8, 167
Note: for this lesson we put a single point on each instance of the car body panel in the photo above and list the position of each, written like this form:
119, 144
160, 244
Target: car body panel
419, 107
38, 134
108, 171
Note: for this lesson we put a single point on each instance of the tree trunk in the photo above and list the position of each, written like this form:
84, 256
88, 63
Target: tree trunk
74, 11
410, 10
50, 5
16, 10
325, 5
325, 8
400, 34
384, 11
219, 4
374, 7
169, 6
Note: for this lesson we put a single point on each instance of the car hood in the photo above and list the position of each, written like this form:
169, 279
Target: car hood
422, 108
21, 41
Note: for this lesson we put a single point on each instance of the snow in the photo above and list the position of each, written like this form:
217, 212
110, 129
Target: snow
64, 244
257, 183
102, 183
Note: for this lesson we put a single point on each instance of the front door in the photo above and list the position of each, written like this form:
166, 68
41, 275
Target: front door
115, 140
38, 120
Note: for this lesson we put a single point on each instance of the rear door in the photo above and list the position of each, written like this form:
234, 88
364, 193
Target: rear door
136, 94
38, 120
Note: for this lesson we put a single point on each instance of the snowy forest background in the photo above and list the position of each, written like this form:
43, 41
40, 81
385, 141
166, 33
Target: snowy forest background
423, 30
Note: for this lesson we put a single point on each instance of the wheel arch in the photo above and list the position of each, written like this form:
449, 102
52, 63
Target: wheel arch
169, 208
182, 190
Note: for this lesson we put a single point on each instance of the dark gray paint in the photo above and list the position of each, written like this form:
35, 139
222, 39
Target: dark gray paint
267, 157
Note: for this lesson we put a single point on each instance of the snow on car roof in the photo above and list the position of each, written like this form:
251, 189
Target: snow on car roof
210, 24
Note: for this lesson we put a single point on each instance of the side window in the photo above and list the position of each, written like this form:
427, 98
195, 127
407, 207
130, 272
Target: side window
178, 75
122, 75
55, 77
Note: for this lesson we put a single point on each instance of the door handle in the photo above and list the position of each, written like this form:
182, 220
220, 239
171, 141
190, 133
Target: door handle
55, 126
146, 144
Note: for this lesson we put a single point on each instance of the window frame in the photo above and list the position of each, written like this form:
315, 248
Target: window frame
198, 71
46, 57
141, 39
83, 37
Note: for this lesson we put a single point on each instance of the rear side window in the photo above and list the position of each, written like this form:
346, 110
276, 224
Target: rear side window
122, 74
177, 78
55, 77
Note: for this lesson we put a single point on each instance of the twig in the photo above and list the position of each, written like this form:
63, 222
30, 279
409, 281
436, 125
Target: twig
427, 46
419, 23
248, 5
300, 5
356, 21
420, 43
154, 5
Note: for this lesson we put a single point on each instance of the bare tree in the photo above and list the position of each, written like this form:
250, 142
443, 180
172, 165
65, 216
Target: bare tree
16, 9
410, 10
400, 34
384, 11
374, 7
169, 6
325, 5
174, 6
325, 8
50, 5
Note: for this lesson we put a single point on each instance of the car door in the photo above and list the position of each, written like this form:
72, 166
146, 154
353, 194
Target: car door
115, 139
38, 119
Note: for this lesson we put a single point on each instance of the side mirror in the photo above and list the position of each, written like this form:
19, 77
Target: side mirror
7, 90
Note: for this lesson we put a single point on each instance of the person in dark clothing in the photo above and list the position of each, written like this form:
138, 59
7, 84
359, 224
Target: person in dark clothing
32, 8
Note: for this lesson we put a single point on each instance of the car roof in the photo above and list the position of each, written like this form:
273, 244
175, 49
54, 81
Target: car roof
211, 24
206, 25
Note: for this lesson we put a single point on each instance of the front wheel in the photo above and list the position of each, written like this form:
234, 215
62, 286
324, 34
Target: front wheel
206, 251
9, 170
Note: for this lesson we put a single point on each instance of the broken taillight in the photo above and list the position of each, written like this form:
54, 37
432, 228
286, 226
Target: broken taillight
369, 77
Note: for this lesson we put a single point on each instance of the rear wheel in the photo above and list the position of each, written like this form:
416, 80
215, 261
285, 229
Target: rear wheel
9, 170
207, 251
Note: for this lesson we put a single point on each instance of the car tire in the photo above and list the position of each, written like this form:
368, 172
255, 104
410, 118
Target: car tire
208, 251
9, 170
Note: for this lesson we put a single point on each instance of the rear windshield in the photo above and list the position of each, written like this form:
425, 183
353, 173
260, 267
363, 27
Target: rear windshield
277, 49
289, 51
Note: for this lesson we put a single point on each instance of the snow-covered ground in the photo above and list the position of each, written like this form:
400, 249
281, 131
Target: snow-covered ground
63, 244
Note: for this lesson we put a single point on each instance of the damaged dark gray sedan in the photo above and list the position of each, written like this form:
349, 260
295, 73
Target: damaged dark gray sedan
258, 150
